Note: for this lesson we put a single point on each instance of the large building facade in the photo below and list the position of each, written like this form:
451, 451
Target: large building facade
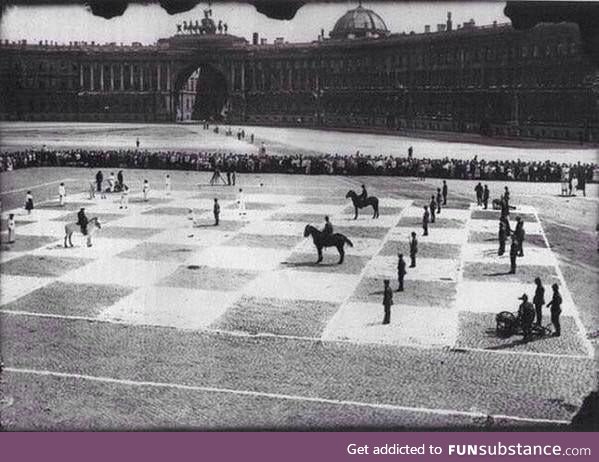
492, 80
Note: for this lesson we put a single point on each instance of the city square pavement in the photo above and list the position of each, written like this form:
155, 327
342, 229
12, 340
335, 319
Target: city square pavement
242, 312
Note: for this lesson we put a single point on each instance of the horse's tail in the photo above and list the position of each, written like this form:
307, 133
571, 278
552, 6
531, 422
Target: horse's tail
350, 243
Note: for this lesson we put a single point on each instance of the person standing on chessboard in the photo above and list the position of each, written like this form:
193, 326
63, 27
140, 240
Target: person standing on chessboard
167, 184
62, 194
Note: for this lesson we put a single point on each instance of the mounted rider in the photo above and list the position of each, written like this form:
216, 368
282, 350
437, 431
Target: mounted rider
363, 195
82, 221
328, 227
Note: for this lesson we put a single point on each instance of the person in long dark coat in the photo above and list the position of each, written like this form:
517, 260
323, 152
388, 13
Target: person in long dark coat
99, 179
82, 221
120, 180
216, 211
432, 207
479, 194
29, 202
444, 192
519, 233
539, 300
401, 272
502, 238
425, 220
486, 195
438, 201
413, 250
556, 309
513, 254
387, 302
526, 314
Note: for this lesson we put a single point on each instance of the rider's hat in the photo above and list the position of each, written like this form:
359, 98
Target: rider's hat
524, 297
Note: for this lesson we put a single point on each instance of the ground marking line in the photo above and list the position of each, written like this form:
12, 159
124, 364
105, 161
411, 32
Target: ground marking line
41, 185
268, 335
281, 396
581, 329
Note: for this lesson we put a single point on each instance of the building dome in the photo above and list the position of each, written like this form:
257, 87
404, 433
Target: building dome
359, 22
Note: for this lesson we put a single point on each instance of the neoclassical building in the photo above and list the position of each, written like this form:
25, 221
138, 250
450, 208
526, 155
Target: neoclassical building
488, 79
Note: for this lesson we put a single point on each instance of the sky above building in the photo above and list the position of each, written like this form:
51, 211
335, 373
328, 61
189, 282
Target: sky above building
148, 23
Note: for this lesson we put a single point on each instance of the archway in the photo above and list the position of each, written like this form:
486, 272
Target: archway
201, 94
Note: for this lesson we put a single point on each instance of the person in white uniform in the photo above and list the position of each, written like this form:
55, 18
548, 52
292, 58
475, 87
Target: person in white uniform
241, 202
62, 194
167, 182
124, 197
146, 190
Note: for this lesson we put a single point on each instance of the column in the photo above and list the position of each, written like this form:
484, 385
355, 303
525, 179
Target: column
290, 77
243, 76
81, 77
168, 76
131, 67
101, 77
122, 80
158, 76
232, 77
111, 77
254, 77
91, 77
141, 78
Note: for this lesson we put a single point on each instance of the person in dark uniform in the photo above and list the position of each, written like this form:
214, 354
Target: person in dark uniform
519, 233
99, 179
505, 208
556, 309
506, 196
82, 221
526, 315
479, 194
120, 180
363, 195
513, 254
433, 207
410, 152
444, 192
413, 250
502, 238
387, 302
539, 300
486, 194
328, 226
216, 211
438, 201
425, 220
401, 272
506, 224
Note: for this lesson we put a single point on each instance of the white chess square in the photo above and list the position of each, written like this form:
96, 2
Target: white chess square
269, 228
101, 247
427, 269
14, 287
121, 271
488, 253
170, 307
239, 257
438, 235
492, 226
303, 285
494, 297
410, 325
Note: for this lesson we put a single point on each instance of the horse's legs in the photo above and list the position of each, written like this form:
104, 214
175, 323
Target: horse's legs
65, 239
341, 253
89, 240
319, 254
356, 209
70, 239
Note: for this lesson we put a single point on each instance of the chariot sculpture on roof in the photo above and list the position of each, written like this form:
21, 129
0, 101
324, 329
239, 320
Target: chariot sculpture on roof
205, 27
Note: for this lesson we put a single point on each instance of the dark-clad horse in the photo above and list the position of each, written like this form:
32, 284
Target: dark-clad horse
359, 204
327, 240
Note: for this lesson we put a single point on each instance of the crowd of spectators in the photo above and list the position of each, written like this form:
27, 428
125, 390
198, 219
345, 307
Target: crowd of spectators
333, 164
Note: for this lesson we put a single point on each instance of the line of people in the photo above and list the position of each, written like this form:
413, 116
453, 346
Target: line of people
332, 164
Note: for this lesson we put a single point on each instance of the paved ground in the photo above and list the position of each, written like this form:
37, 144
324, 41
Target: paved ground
164, 324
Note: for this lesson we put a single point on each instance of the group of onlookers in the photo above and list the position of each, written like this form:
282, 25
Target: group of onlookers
332, 164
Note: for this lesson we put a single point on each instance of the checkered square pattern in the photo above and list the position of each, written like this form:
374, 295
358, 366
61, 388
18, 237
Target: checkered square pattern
256, 272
